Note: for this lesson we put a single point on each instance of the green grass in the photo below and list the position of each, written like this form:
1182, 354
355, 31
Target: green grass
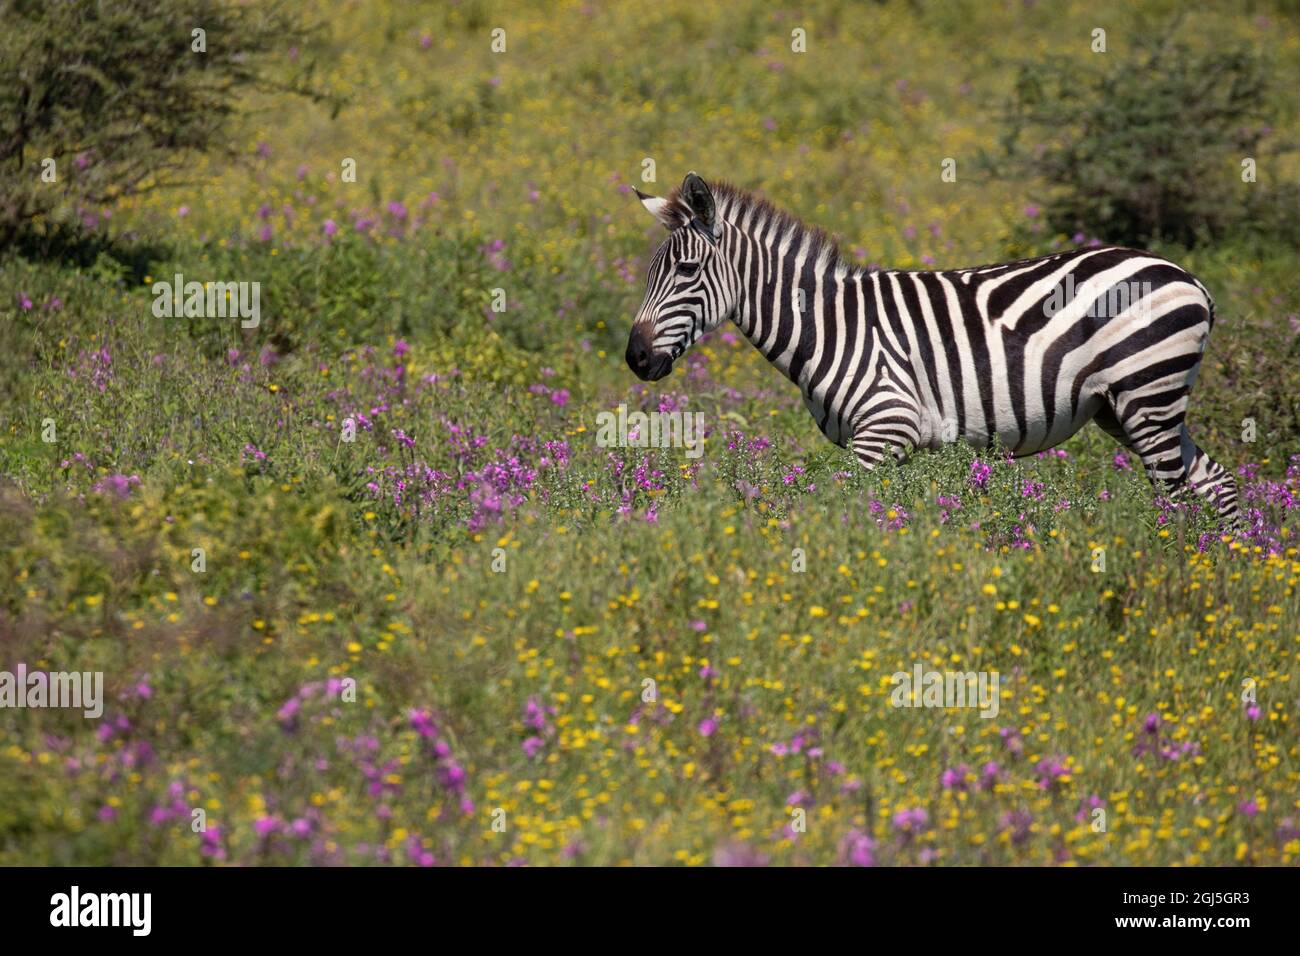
625, 655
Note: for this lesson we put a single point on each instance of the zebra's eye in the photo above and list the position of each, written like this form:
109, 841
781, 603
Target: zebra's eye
687, 269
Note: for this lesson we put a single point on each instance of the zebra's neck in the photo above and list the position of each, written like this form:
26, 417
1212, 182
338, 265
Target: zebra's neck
792, 285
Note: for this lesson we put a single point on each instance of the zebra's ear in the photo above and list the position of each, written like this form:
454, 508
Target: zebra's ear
670, 214
697, 195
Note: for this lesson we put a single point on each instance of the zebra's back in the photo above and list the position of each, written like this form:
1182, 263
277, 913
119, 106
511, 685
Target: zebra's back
1027, 351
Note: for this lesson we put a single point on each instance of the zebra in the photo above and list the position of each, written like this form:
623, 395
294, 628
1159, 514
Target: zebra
1024, 353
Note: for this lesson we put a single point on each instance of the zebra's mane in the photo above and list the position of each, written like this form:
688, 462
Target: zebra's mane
736, 205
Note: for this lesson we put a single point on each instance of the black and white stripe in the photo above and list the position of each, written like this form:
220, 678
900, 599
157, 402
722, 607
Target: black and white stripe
1025, 352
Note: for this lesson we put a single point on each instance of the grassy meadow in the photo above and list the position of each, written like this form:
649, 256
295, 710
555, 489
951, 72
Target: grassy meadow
365, 589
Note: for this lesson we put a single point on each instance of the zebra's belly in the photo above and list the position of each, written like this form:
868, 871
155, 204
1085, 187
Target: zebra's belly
983, 420
1033, 434
936, 430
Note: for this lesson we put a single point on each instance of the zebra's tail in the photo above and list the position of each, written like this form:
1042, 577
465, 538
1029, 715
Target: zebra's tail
1209, 300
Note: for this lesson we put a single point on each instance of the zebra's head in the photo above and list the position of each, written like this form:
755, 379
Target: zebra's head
691, 286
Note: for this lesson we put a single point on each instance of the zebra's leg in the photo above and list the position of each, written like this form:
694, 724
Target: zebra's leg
1149, 422
892, 429
1215, 483
871, 449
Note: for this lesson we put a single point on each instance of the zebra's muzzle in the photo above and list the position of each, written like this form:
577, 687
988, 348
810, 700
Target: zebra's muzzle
648, 366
